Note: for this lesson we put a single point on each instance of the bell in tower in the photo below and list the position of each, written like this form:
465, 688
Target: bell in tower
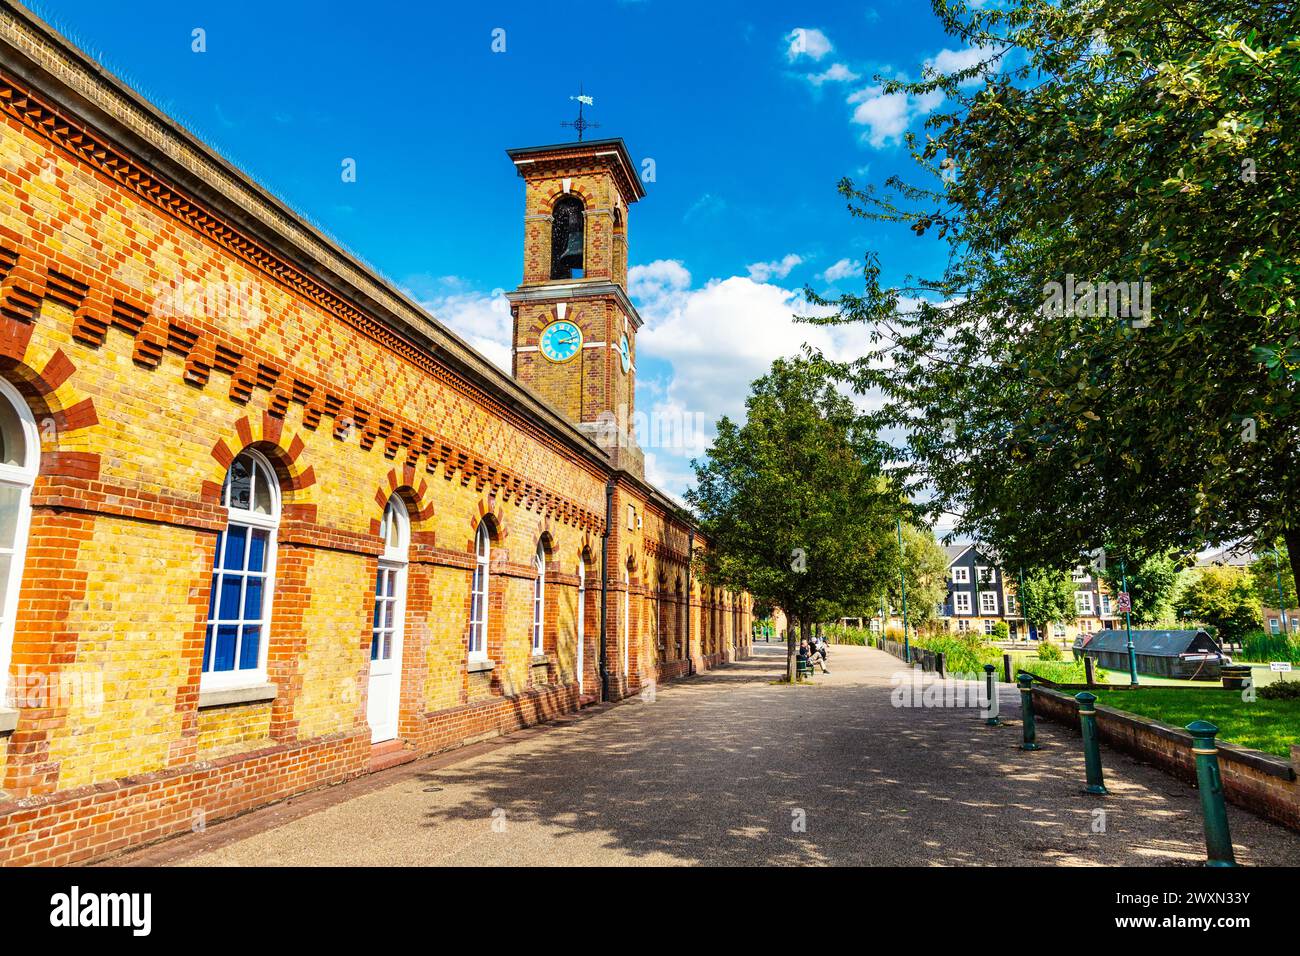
567, 238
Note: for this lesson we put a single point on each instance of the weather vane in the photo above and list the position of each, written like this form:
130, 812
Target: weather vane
581, 124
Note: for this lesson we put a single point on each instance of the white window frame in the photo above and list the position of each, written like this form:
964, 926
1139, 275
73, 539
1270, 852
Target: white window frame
1105, 605
20, 475
395, 559
963, 626
1083, 603
480, 587
1058, 630
270, 523
992, 597
957, 602
627, 621
1080, 574
1274, 626
1012, 605
988, 627
539, 600
961, 575
985, 575
580, 625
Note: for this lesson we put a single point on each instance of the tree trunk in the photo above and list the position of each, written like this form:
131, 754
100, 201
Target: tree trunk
1292, 539
791, 649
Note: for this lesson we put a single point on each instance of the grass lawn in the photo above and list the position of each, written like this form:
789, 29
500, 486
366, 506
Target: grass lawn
1267, 725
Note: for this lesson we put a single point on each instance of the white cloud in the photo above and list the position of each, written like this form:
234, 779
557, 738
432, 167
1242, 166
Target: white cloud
836, 73
807, 41
763, 271
951, 61
840, 270
482, 319
718, 338
888, 116
885, 115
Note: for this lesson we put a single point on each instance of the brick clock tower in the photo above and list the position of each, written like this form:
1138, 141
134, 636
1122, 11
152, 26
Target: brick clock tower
574, 326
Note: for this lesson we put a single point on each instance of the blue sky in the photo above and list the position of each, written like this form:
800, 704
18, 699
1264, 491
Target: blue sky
751, 112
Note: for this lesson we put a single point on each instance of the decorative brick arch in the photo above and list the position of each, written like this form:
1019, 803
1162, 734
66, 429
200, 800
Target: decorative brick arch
414, 491
546, 537
491, 510
60, 413
553, 196
265, 434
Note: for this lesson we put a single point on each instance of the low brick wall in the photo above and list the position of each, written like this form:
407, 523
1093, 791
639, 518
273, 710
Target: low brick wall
1261, 783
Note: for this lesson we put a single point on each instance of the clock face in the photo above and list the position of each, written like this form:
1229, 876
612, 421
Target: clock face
625, 352
561, 341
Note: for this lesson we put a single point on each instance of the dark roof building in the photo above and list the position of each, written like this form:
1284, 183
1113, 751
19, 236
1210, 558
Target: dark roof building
1191, 654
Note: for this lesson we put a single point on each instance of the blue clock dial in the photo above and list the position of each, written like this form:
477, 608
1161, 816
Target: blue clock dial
561, 341
625, 352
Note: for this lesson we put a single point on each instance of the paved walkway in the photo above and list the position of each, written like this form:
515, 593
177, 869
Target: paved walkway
720, 769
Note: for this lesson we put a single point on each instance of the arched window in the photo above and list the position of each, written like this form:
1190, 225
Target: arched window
582, 619
627, 620
567, 238
539, 598
395, 530
478, 594
382, 704
243, 575
20, 456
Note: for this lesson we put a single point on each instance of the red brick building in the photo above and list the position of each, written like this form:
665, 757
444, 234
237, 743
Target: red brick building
265, 524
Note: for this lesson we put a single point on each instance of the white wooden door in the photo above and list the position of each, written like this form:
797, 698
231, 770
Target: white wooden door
386, 652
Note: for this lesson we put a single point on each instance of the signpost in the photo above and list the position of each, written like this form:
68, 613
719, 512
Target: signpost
1280, 668
1126, 606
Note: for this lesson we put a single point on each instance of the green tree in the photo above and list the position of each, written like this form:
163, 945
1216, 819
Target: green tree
1153, 582
1265, 571
1222, 597
1099, 142
793, 501
925, 572
1045, 596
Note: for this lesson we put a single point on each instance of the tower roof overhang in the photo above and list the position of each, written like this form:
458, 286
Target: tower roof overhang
611, 153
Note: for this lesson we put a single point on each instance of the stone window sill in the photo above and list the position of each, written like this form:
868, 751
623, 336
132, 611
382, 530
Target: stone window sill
540, 660
8, 720
478, 667
226, 696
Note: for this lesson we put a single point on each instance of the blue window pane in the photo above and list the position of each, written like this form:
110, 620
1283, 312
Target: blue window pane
236, 535
379, 583
257, 551
248, 649
230, 597
374, 646
374, 622
207, 649
392, 583
223, 655
253, 599
212, 597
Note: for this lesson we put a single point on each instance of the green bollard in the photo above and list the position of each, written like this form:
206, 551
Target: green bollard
991, 689
1091, 749
1218, 841
1027, 712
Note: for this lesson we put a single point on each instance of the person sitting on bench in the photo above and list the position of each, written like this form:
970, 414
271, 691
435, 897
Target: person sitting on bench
818, 655
809, 657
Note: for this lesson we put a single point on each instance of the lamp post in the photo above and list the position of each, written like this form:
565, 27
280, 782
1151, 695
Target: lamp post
1020, 600
1281, 598
1128, 625
902, 582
